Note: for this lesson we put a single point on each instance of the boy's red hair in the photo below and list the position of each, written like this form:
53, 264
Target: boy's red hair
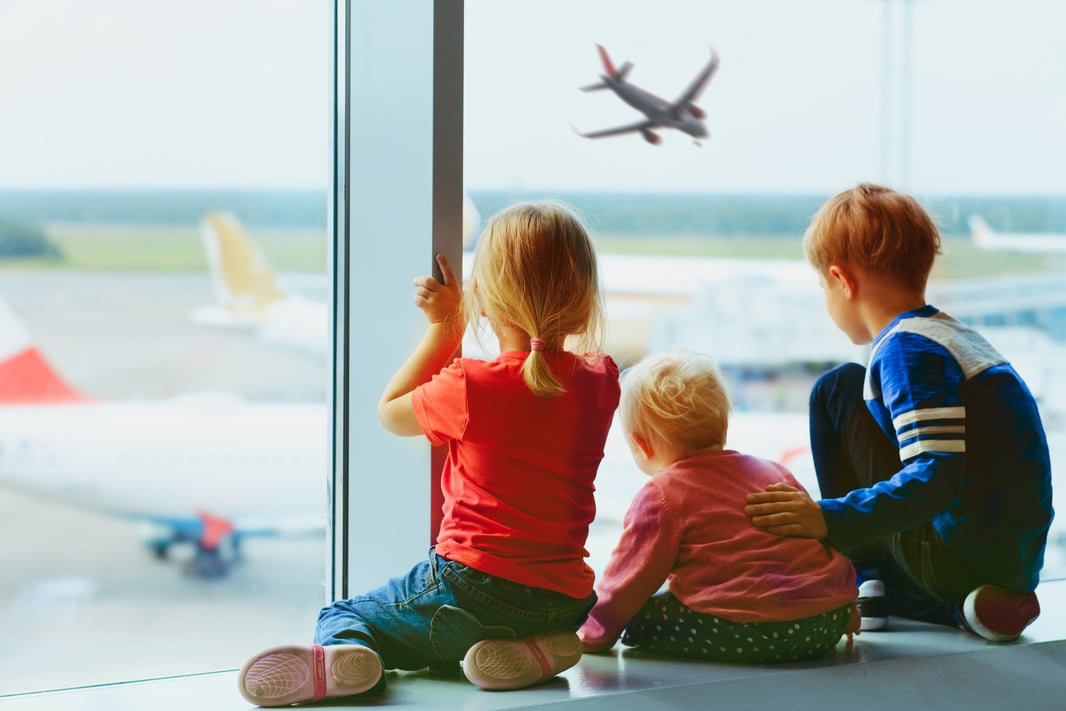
880, 230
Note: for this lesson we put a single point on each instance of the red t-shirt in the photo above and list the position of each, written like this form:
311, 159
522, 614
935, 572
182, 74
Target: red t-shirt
518, 479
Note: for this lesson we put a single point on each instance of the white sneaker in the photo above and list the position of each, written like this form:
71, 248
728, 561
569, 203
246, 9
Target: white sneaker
873, 607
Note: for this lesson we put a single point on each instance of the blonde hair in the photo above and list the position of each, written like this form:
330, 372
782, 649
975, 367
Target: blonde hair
535, 269
678, 401
875, 228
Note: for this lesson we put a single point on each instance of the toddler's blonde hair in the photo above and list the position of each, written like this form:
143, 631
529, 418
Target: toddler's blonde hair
535, 269
676, 400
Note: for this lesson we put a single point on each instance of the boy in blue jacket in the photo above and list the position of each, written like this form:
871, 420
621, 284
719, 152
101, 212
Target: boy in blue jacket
932, 461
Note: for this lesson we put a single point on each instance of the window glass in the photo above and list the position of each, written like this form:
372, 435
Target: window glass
700, 244
164, 444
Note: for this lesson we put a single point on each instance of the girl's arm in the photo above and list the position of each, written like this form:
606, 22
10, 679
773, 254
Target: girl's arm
441, 304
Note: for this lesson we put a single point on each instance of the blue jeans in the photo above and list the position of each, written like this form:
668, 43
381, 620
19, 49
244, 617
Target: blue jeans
924, 578
435, 613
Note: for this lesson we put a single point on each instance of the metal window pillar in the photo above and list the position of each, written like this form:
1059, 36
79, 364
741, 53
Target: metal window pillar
396, 200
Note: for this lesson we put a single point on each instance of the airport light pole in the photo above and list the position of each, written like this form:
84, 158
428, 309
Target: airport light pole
897, 22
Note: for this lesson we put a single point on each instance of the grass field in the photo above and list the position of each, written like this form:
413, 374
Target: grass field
165, 248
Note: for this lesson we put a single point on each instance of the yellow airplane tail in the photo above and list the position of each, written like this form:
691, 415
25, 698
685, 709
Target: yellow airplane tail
244, 280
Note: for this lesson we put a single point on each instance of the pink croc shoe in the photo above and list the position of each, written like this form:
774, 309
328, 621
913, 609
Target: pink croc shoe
500, 664
280, 676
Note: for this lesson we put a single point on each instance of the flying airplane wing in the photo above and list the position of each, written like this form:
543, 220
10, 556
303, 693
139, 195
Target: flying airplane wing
698, 84
629, 128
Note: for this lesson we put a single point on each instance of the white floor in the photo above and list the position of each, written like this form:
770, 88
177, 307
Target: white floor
912, 666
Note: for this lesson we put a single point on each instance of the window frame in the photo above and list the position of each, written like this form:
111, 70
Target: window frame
396, 200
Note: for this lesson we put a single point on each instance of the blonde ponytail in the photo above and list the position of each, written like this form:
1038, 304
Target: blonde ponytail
538, 374
535, 270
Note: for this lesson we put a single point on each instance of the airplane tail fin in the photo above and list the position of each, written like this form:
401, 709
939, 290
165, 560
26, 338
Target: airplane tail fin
26, 377
608, 70
608, 66
980, 232
244, 280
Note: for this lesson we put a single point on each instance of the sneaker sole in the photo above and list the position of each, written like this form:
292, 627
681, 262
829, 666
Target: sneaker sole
872, 624
501, 664
280, 676
873, 603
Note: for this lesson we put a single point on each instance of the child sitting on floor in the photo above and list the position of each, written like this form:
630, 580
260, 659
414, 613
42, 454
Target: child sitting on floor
507, 585
932, 461
736, 593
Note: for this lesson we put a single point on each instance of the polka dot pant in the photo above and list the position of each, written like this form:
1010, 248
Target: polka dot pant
666, 626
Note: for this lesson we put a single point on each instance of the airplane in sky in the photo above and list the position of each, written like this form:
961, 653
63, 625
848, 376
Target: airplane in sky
192, 470
1033, 242
681, 114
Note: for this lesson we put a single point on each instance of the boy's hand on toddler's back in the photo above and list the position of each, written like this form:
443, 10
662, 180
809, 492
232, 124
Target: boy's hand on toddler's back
440, 302
786, 511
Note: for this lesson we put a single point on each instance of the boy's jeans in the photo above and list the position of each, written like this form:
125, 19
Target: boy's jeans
923, 577
435, 613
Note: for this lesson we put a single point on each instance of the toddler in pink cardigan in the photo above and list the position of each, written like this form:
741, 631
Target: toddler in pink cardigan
736, 593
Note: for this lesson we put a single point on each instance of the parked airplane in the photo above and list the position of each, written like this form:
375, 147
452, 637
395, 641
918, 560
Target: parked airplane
192, 469
251, 295
681, 114
1034, 242
761, 313
211, 470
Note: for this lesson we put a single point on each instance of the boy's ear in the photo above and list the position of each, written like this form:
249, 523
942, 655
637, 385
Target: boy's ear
844, 279
641, 442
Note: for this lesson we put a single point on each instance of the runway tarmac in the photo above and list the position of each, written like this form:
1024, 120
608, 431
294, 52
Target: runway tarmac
81, 601
127, 335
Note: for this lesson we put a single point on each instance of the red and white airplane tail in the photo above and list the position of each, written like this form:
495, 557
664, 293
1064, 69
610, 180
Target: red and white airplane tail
608, 70
26, 377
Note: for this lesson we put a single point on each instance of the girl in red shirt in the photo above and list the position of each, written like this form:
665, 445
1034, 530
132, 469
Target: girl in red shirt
506, 586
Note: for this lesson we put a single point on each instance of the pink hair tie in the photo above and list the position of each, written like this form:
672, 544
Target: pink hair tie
536, 344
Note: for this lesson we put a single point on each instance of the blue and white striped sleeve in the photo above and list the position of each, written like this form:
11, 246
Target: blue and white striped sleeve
916, 393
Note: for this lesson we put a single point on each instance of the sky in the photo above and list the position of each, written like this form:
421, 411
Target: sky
234, 93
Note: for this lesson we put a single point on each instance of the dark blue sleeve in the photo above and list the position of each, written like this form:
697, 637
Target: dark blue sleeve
917, 388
